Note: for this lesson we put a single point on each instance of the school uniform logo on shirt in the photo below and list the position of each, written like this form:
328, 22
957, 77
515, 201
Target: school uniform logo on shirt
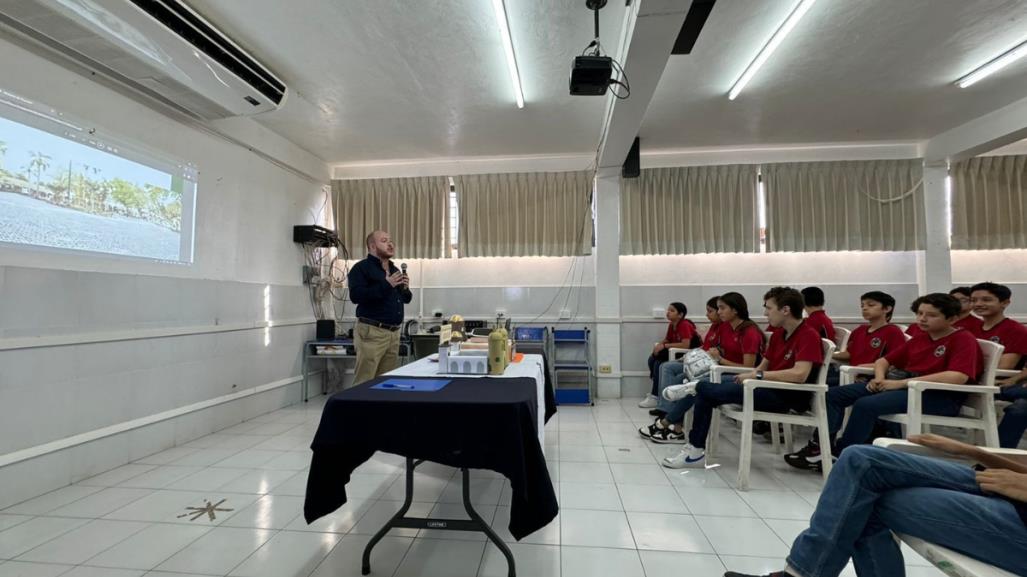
940, 351
996, 339
788, 355
875, 342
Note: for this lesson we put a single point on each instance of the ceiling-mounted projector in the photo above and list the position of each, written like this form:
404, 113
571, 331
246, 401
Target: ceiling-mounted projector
592, 72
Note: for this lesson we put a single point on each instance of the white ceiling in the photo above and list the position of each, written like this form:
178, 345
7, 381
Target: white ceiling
852, 70
400, 79
396, 79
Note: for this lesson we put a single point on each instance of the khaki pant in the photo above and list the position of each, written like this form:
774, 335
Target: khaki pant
377, 352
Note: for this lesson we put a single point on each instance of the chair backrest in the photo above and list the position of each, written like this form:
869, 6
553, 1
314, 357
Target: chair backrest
828, 347
841, 337
992, 353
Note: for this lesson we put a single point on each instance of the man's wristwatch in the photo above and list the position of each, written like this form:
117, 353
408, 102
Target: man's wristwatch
759, 375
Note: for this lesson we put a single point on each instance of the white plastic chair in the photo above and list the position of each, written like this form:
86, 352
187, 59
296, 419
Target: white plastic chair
978, 412
841, 338
746, 414
949, 561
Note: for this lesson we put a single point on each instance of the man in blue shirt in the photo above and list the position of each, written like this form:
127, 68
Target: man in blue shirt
380, 290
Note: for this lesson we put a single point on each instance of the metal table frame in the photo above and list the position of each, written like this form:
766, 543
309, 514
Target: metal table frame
310, 346
401, 521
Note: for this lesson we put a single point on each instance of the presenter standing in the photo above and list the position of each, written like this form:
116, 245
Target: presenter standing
379, 290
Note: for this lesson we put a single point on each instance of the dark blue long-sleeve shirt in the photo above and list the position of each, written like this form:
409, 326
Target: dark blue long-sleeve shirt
376, 299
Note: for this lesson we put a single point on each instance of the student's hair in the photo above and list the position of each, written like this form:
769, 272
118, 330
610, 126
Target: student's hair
813, 296
961, 290
784, 296
946, 303
737, 302
712, 303
681, 308
999, 290
884, 298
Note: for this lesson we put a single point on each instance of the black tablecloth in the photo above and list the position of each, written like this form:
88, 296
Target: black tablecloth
475, 423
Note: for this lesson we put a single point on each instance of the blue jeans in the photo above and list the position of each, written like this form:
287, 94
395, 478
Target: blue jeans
671, 373
1014, 419
709, 396
868, 406
873, 491
654, 373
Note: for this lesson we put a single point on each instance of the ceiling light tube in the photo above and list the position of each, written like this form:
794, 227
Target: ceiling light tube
797, 13
511, 59
994, 65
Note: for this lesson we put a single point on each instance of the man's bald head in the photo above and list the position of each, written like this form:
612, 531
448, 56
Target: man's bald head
379, 243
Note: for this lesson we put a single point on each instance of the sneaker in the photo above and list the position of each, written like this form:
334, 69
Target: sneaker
774, 574
658, 413
678, 392
668, 436
808, 458
647, 431
689, 457
649, 402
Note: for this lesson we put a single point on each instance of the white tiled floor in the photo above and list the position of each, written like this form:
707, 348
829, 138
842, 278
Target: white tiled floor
621, 513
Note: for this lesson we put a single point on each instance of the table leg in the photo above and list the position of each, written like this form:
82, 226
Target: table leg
511, 569
365, 566
306, 360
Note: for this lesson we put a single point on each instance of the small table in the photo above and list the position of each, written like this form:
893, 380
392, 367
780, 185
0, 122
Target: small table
310, 352
435, 427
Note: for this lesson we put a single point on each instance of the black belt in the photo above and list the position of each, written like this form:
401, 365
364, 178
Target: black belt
385, 326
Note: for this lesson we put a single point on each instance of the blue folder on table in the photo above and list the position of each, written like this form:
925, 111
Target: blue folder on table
419, 385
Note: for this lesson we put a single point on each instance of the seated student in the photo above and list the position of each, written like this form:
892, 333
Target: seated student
989, 302
1014, 418
737, 343
941, 354
681, 334
966, 320
793, 356
873, 492
816, 317
874, 339
672, 373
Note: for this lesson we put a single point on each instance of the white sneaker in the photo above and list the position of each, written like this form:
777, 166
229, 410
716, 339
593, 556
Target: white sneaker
690, 457
678, 392
649, 402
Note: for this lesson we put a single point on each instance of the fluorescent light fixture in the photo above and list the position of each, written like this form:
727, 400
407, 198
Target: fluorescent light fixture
511, 59
797, 13
993, 66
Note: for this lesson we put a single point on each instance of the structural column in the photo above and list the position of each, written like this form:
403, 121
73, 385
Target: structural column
934, 263
607, 283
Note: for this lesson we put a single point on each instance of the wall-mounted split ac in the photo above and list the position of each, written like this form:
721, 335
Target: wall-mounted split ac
159, 47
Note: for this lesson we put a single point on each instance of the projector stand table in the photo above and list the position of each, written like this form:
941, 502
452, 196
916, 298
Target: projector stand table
475, 523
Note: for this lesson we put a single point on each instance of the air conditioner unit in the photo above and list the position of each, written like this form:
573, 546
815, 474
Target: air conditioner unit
159, 47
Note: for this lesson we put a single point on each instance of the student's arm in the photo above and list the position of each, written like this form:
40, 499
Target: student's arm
797, 374
1013, 380
1009, 361
991, 460
739, 378
944, 377
748, 360
842, 356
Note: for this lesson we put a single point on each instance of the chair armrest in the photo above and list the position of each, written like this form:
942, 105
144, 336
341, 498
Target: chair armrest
905, 446
1003, 373
929, 386
671, 352
718, 371
856, 370
783, 386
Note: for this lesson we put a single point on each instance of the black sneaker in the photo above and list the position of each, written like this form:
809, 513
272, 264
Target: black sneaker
659, 414
808, 458
668, 436
648, 431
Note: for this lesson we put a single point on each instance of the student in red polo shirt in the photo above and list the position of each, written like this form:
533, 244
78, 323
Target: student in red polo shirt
681, 334
792, 356
966, 320
816, 317
990, 301
877, 337
712, 315
940, 354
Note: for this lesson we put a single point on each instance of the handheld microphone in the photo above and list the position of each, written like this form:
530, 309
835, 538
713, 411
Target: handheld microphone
403, 269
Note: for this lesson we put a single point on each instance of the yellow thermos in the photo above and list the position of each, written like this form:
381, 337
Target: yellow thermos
497, 352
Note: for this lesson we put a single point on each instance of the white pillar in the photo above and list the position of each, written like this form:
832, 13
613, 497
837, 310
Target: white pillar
607, 283
934, 263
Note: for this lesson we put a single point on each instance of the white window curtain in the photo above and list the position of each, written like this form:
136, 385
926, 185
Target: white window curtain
872, 205
989, 203
690, 210
413, 210
525, 214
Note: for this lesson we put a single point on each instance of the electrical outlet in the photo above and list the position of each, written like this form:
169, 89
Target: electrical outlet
659, 312
565, 313
437, 313
605, 368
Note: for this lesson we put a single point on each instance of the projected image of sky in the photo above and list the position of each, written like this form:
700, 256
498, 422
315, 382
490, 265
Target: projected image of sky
60, 193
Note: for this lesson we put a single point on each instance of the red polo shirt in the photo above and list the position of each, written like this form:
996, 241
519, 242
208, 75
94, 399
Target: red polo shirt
680, 333
734, 345
802, 345
972, 324
1009, 334
822, 324
866, 347
711, 336
922, 355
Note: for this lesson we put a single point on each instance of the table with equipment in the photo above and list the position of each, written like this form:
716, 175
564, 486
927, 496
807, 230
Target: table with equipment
342, 348
440, 418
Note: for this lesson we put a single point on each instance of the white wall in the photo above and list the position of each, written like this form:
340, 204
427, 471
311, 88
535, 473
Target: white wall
1008, 267
88, 342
